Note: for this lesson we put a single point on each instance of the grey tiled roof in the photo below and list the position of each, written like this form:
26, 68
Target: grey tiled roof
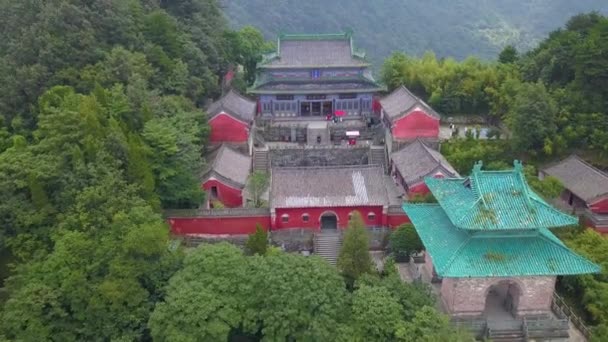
234, 104
315, 87
307, 51
228, 164
401, 101
342, 186
582, 179
416, 161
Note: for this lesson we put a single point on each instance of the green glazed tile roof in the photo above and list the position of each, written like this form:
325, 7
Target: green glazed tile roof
495, 200
464, 253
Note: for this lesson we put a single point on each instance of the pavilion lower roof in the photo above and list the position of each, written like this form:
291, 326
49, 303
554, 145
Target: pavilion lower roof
463, 253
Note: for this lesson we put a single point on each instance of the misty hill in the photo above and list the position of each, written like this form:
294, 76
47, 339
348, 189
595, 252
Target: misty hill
456, 28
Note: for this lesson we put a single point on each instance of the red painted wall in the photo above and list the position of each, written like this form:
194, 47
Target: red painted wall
295, 217
229, 196
218, 225
600, 206
225, 128
395, 221
416, 124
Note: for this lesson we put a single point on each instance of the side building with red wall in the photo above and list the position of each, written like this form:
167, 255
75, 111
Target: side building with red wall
585, 190
230, 118
226, 176
407, 117
416, 161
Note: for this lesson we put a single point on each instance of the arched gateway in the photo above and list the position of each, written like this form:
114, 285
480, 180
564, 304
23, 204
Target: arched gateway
329, 221
502, 299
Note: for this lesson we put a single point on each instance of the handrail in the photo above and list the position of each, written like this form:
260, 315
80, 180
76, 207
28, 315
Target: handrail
563, 309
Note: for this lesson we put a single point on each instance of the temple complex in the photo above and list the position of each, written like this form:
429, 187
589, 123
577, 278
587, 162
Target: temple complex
326, 148
315, 76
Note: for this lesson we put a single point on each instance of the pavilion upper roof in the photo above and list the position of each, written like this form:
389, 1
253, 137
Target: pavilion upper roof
495, 200
318, 50
464, 253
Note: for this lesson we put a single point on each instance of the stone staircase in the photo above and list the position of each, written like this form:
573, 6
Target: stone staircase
377, 156
261, 159
327, 245
317, 133
506, 331
506, 335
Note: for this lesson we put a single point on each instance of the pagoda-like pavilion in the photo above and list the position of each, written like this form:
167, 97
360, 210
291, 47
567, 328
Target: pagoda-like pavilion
488, 239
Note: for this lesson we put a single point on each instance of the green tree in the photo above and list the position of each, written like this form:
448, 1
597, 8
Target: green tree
376, 314
533, 118
429, 325
354, 259
256, 186
404, 241
302, 298
508, 55
257, 243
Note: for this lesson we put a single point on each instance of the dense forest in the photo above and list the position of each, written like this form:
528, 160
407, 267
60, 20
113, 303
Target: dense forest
450, 28
101, 127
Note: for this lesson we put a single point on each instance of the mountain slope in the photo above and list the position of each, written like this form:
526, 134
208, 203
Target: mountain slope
456, 28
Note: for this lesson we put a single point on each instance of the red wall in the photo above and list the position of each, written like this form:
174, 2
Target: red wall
225, 128
395, 221
600, 206
295, 217
229, 196
416, 124
218, 225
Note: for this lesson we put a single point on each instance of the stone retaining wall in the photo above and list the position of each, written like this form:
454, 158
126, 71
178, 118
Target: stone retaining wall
319, 156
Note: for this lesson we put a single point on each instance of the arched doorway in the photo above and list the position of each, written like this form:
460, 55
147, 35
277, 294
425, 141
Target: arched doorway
329, 221
502, 300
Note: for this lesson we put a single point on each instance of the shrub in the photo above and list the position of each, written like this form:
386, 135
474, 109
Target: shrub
404, 241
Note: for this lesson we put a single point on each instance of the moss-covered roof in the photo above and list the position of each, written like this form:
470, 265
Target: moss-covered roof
464, 253
495, 200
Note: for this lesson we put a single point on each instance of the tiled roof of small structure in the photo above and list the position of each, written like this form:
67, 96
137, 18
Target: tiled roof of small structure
234, 104
228, 165
495, 200
582, 179
416, 161
320, 50
342, 186
402, 101
461, 253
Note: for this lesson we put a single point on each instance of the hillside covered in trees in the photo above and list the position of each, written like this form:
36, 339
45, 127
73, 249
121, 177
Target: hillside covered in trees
101, 127
458, 28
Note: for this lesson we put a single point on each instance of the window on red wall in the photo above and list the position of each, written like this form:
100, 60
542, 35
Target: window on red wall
285, 218
371, 217
350, 215
305, 217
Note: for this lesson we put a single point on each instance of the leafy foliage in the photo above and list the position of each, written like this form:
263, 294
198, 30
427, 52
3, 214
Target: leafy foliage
257, 243
354, 259
256, 186
404, 241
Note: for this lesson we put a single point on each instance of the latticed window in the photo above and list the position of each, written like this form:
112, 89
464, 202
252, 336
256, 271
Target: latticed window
285, 218
371, 217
